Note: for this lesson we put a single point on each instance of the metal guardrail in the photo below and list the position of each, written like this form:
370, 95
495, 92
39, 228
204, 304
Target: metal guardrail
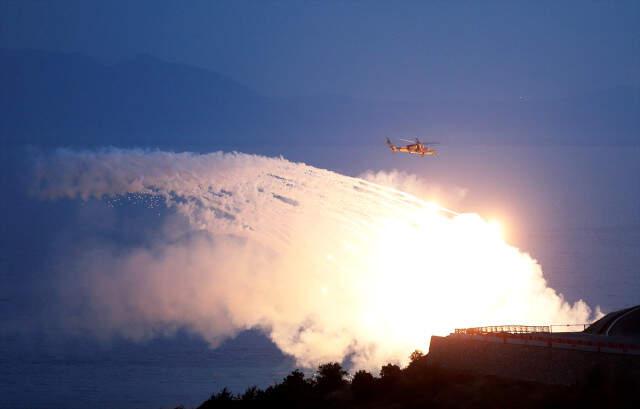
509, 329
548, 340
522, 329
569, 327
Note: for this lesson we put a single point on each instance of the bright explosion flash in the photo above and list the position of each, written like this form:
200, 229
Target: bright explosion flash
328, 266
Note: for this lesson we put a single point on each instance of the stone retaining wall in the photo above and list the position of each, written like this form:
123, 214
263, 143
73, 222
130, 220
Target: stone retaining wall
531, 363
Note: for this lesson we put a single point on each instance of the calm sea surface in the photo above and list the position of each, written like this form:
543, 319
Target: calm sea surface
163, 373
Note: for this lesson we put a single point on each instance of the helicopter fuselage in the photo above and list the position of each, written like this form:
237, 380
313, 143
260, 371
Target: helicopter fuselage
415, 149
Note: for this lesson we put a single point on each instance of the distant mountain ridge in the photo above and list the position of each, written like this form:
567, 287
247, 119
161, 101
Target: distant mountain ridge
57, 99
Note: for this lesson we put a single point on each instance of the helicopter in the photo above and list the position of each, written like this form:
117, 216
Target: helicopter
415, 147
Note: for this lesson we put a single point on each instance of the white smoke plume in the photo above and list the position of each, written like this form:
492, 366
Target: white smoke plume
328, 266
415, 185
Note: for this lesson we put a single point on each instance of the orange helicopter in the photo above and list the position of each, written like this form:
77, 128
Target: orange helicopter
415, 147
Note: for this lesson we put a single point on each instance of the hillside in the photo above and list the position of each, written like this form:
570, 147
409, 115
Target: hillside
423, 385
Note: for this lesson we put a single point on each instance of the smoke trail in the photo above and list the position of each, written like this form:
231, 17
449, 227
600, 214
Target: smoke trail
414, 185
327, 265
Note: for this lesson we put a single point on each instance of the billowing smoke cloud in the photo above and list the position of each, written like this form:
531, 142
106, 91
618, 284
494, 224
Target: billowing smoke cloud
328, 266
414, 185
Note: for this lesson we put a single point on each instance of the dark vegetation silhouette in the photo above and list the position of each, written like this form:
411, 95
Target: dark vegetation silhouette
424, 385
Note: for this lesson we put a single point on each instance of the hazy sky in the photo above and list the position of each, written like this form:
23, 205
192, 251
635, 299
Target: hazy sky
391, 50
561, 177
